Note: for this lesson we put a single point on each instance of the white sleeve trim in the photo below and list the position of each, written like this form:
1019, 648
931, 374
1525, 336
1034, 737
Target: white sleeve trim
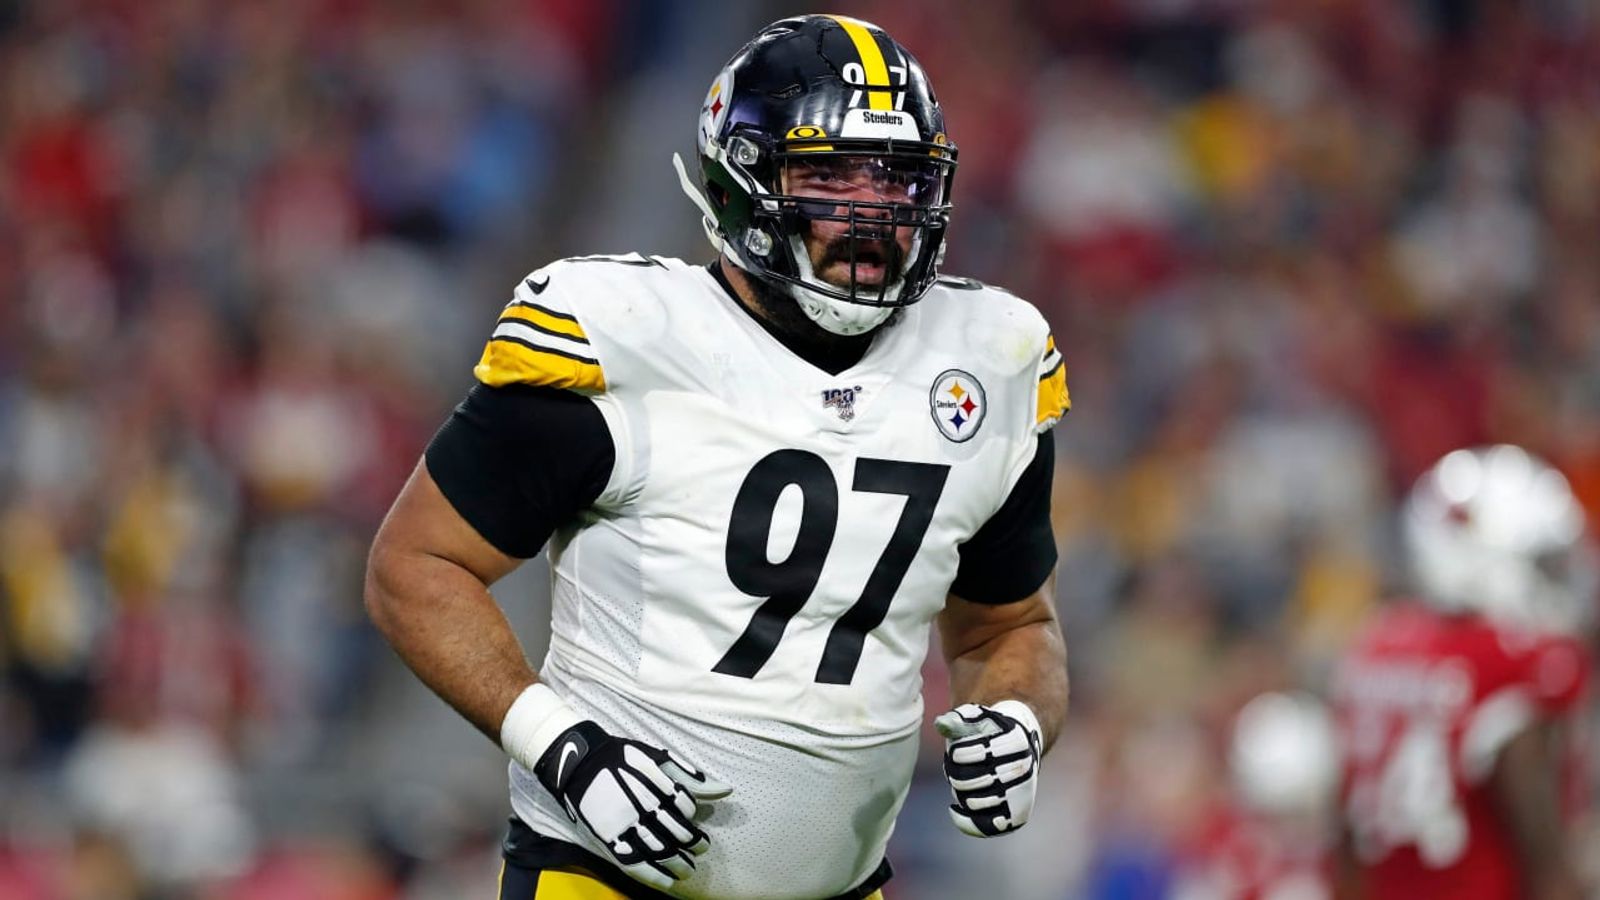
619, 487
1500, 717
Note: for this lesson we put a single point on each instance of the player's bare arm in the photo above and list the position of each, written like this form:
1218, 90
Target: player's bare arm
1012, 651
444, 542
427, 591
1525, 785
1008, 676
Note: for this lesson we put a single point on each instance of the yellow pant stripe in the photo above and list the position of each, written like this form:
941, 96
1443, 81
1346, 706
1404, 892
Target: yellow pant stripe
872, 63
555, 884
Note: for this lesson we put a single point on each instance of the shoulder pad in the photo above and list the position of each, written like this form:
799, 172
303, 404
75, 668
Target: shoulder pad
1050, 369
540, 339
961, 283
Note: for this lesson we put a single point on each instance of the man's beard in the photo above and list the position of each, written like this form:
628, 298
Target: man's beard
783, 311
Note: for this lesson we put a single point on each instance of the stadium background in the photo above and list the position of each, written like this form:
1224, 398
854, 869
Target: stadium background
1292, 251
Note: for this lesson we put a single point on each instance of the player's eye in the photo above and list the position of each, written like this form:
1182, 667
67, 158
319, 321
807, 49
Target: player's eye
829, 173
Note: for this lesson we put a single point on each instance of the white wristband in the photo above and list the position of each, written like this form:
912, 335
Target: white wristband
536, 718
1018, 710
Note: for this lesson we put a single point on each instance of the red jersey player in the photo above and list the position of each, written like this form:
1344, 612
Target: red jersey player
1456, 711
1269, 839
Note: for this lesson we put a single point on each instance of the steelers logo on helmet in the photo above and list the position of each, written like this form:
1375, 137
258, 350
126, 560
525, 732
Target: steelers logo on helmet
958, 404
714, 111
826, 169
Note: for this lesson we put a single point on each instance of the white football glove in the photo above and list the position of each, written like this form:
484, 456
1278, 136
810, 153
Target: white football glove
639, 800
991, 759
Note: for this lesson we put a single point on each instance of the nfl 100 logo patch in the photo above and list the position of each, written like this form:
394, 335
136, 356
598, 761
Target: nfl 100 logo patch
841, 399
958, 404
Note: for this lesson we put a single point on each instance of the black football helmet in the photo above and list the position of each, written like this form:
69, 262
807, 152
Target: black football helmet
834, 95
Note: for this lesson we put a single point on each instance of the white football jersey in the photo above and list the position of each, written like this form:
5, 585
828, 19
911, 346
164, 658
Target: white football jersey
754, 586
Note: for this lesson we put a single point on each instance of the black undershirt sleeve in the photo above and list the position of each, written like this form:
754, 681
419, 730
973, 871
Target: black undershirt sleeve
518, 462
1013, 553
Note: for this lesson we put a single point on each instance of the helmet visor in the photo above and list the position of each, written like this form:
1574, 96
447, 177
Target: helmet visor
846, 177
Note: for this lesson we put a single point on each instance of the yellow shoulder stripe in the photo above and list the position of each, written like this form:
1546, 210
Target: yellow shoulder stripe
507, 361
872, 63
1054, 399
545, 320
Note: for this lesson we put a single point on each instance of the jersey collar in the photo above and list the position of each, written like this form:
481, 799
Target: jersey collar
832, 360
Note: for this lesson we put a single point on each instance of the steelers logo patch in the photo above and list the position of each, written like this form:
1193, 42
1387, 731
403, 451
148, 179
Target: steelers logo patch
958, 404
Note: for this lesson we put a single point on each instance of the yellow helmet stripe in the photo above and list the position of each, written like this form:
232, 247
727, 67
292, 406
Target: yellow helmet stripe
877, 71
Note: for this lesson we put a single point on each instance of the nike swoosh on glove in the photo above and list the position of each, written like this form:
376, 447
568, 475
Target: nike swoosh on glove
991, 759
639, 800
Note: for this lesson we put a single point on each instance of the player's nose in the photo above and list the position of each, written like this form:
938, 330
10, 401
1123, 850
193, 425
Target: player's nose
864, 188
868, 207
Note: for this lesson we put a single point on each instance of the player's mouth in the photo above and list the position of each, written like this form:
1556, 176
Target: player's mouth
874, 261
871, 264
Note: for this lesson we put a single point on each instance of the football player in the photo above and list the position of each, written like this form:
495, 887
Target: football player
761, 482
1456, 712
1268, 839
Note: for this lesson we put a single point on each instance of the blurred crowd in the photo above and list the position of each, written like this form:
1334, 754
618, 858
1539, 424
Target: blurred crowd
1292, 252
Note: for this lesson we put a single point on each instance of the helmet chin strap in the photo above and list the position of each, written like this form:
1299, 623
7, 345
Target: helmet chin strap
830, 313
